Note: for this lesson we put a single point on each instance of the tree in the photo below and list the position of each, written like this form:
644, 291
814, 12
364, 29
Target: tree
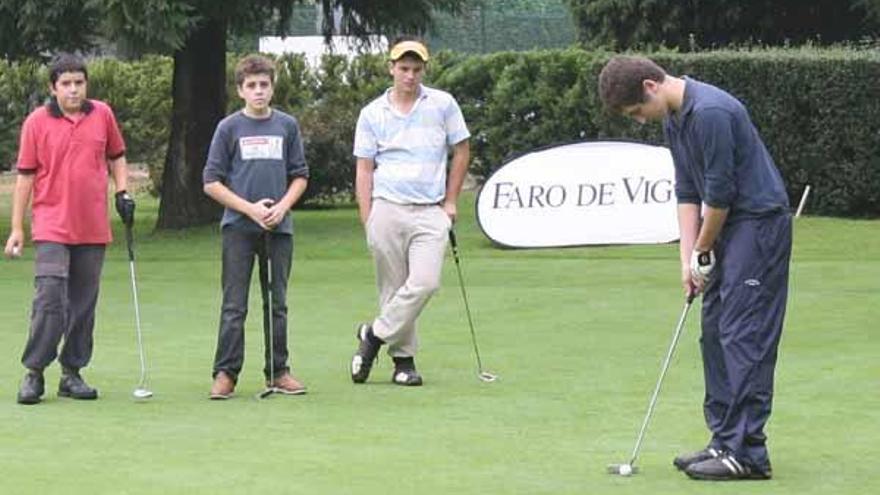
872, 8
31, 28
194, 32
688, 24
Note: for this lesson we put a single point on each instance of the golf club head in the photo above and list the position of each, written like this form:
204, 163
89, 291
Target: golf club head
267, 392
487, 377
142, 393
625, 469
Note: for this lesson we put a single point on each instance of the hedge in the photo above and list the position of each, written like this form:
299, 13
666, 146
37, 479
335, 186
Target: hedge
817, 110
20, 91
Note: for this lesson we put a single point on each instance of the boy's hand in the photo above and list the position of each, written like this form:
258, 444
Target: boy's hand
701, 266
125, 207
259, 212
276, 214
14, 244
451, 211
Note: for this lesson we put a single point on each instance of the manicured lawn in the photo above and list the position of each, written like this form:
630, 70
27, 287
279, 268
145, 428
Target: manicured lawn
577, 336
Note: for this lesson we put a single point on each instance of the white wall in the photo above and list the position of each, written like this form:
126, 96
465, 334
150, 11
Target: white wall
313, 46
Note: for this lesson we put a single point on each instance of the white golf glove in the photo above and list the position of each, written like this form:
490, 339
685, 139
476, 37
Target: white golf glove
702, 264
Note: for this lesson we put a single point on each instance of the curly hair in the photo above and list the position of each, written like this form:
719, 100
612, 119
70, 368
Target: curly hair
254, 64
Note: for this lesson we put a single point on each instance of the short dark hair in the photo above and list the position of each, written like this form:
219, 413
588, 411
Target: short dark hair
620, 82
66, 62
252, 65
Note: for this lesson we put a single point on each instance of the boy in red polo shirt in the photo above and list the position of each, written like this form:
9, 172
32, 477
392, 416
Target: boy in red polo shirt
67, 147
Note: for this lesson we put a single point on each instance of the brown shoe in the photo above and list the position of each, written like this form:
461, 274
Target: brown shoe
223, 386
288, 385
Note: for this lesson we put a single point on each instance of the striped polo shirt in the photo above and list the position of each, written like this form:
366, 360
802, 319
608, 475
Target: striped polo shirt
410, 151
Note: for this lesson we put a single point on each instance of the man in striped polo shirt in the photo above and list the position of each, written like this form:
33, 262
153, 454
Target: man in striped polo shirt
407, 203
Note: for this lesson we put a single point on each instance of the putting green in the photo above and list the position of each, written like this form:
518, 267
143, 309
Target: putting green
576, 336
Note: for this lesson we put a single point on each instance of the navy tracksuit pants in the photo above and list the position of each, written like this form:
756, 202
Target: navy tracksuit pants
743, 310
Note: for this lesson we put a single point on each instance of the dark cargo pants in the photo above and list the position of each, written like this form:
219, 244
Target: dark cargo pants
66, 282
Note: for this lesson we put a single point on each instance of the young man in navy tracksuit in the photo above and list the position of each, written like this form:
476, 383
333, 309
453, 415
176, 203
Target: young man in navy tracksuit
735, 227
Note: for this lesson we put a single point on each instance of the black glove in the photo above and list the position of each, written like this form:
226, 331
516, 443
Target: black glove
125, 207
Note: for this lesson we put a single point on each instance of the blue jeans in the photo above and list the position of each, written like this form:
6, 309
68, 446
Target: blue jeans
240, 247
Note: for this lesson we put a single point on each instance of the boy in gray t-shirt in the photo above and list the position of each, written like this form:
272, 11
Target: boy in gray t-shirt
256, 169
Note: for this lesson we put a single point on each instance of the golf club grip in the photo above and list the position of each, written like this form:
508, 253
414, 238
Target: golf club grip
129, 242
452, 240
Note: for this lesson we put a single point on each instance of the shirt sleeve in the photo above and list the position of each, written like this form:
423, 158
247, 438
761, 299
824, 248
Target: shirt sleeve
714, 133
456, 128
115, 143
27, 148
685, 192
219, 157
296, 158
366, 144
684, 188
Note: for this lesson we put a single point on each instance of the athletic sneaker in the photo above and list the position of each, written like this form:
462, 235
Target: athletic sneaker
32, 388
288, 385
368, 349
685, 460
726, 467
405, 372
72, 385
223, 386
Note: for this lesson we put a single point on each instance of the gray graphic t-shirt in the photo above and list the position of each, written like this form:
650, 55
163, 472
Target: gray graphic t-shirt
256, 159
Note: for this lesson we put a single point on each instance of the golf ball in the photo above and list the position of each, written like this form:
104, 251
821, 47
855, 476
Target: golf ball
16, 251
626, 470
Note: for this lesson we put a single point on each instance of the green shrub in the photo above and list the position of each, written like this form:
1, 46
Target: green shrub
817, 112
140, 94
23, 87
816, 109
342, 87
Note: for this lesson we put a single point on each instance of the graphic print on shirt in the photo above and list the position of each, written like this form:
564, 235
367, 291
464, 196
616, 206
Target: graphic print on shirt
261, 147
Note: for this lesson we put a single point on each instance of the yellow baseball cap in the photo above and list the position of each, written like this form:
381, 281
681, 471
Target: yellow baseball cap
404, 47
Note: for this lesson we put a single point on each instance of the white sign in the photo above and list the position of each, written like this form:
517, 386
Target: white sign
601, 192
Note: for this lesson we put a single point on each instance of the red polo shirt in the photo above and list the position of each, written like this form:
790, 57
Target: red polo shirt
69, 158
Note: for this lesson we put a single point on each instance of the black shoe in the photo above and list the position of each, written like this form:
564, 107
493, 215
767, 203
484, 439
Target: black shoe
726, 468
368, 349
405, 372
73, 386
685, 460
32, 388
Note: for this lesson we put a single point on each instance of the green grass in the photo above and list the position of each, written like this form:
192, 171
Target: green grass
577, 336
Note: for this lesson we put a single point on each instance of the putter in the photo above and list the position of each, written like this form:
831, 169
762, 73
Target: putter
630, 467
482, 374
141, 392
268, 324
